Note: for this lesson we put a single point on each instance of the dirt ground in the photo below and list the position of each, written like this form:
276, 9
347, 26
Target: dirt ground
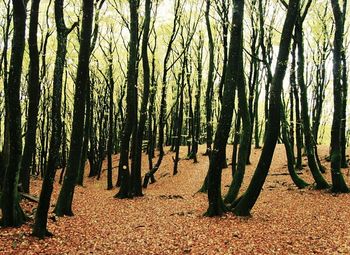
169, 218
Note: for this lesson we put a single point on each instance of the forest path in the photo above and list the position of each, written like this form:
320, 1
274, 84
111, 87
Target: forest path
168, 219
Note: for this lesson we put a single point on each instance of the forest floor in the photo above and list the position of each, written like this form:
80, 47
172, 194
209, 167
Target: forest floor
169, 218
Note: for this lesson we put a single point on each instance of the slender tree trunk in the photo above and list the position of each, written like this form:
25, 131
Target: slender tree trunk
86, 137
339, 184
12, 214
234, 76
110, 121
197, 108
40, 225
344, 163
5, 153
34, 95
136, 162
210, 82
181, 85
315, 169
65, 199
245, 138
247, 201
298, 126
130, 119
163, 104
299, 182
209, 92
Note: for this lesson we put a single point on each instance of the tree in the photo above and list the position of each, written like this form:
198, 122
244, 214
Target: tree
111, 116
240, 84
313, 163
162, 111
12, 214
131, 115
4, 156
65, 199
344, 79
209, 91
233, 78
339, 184
34, 95
245, 203
40, 225
136, 161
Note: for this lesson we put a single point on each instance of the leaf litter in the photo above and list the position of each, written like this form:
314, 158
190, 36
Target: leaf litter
169, 219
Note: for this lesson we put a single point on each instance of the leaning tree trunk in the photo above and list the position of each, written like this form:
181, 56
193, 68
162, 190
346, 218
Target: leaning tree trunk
299, 182
40, 225
247, 201
65, 198
12, 214
233, 77
34, 95
339, 184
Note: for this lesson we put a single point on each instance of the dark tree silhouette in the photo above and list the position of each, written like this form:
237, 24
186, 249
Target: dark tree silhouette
339, 184
234, 76
40, 225
65, 199
310, 145
249, 198
136, 161
12, 214
130, 118
34, 95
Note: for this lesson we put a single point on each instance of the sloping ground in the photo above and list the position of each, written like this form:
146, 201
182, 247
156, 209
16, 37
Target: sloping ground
168, 219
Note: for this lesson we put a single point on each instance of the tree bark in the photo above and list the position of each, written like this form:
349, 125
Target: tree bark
40, 224
34, 95
339, 184
65, 199
233, 77
247, 201
130, 118
12, 214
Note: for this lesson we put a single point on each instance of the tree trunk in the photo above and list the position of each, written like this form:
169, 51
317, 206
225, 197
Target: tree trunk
136, 161
12, 214
234, 76
34, 95
65, 199
130, 119
315, 169
247, 201
300, 183
240, 84
210, 82
40, 225
339, 184
5, 153
110, 121
163, 104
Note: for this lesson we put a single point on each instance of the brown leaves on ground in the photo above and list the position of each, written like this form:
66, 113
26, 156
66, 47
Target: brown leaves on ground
168, 219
